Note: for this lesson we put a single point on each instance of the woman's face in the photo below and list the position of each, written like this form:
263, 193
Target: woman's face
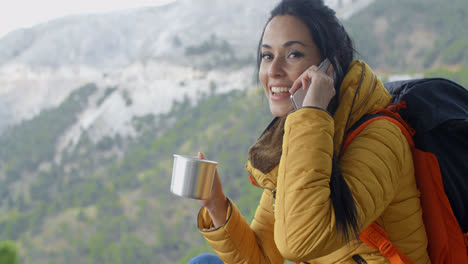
287, 50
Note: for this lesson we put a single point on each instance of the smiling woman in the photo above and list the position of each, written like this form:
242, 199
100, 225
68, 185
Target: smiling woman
318, 198
286, 53
25, 13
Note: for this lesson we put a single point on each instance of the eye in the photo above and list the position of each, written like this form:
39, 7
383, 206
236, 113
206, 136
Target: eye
266, 56
295, 54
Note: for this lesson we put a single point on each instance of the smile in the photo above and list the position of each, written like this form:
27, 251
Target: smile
278, 90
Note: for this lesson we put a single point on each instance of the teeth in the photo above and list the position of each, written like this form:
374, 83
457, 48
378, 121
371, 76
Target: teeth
279, 89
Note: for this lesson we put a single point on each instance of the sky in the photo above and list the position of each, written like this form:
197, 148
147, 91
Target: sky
15, 14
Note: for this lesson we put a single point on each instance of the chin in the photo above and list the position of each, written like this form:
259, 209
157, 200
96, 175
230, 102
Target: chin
280, 111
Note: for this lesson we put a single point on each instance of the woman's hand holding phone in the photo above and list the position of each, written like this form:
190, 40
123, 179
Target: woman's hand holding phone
319, 84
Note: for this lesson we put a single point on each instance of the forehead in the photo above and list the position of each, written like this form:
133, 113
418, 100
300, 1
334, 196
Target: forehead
286, 28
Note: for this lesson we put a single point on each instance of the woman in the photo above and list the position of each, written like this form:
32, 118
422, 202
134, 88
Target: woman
317, 199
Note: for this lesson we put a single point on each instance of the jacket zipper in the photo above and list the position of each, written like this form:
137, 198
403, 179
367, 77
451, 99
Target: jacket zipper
272, 191
274, 199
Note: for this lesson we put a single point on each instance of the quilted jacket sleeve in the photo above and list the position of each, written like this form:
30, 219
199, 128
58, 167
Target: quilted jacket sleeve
305, 220
237, 242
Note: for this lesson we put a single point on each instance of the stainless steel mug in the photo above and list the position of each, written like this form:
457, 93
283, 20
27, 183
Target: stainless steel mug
192, 177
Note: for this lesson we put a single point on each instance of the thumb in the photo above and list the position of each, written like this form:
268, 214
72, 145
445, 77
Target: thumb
200, 155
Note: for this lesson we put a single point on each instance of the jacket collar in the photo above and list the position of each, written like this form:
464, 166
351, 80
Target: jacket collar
370, 96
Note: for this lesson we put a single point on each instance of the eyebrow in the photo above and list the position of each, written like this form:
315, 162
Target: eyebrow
286, 44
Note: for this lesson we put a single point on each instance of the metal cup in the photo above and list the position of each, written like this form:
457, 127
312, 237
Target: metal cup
192, 177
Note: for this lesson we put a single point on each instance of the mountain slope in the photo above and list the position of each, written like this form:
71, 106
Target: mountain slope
109, 202
134, 50
401, 35
119, 38
162, 33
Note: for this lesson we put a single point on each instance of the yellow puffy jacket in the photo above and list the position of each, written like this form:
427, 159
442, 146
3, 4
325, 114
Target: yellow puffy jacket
377, 166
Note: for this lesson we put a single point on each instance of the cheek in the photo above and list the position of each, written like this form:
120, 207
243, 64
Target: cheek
299, 70
263, 77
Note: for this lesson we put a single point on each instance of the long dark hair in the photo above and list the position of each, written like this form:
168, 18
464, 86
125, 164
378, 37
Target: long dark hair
335, 44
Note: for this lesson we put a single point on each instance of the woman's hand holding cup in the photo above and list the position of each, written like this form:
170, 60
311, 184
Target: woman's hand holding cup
216, 205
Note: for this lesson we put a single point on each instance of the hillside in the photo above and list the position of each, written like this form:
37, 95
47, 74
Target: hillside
109, 202
134, 50
117, 39
411, 35
162, 33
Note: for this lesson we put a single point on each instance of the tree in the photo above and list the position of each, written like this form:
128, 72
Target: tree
9, 252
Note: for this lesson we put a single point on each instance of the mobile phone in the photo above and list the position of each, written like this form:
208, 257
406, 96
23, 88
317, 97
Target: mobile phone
297, 98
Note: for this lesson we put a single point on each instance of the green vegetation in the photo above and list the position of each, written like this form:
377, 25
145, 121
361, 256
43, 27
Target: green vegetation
9, 252
459, 75
210, 45
214, 53
402, 35
107, 93
126, 97
25, 146
94, 205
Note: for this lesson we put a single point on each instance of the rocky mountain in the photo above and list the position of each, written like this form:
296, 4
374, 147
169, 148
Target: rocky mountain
136, 50
154, 55
119, 38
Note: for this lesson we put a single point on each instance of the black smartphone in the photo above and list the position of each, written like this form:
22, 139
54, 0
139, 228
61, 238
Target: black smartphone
297, 98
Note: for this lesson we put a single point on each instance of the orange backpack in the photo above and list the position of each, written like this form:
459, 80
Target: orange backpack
446, 241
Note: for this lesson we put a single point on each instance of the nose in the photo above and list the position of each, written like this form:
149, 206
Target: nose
276, 68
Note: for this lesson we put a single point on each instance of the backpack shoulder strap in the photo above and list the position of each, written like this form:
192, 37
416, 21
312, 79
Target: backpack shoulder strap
386, 114
447, 243
375, 237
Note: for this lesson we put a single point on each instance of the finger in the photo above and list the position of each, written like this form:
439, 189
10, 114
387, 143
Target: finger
200, 155
305, 83
217, 179
315, 68
330, 71
296, 85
